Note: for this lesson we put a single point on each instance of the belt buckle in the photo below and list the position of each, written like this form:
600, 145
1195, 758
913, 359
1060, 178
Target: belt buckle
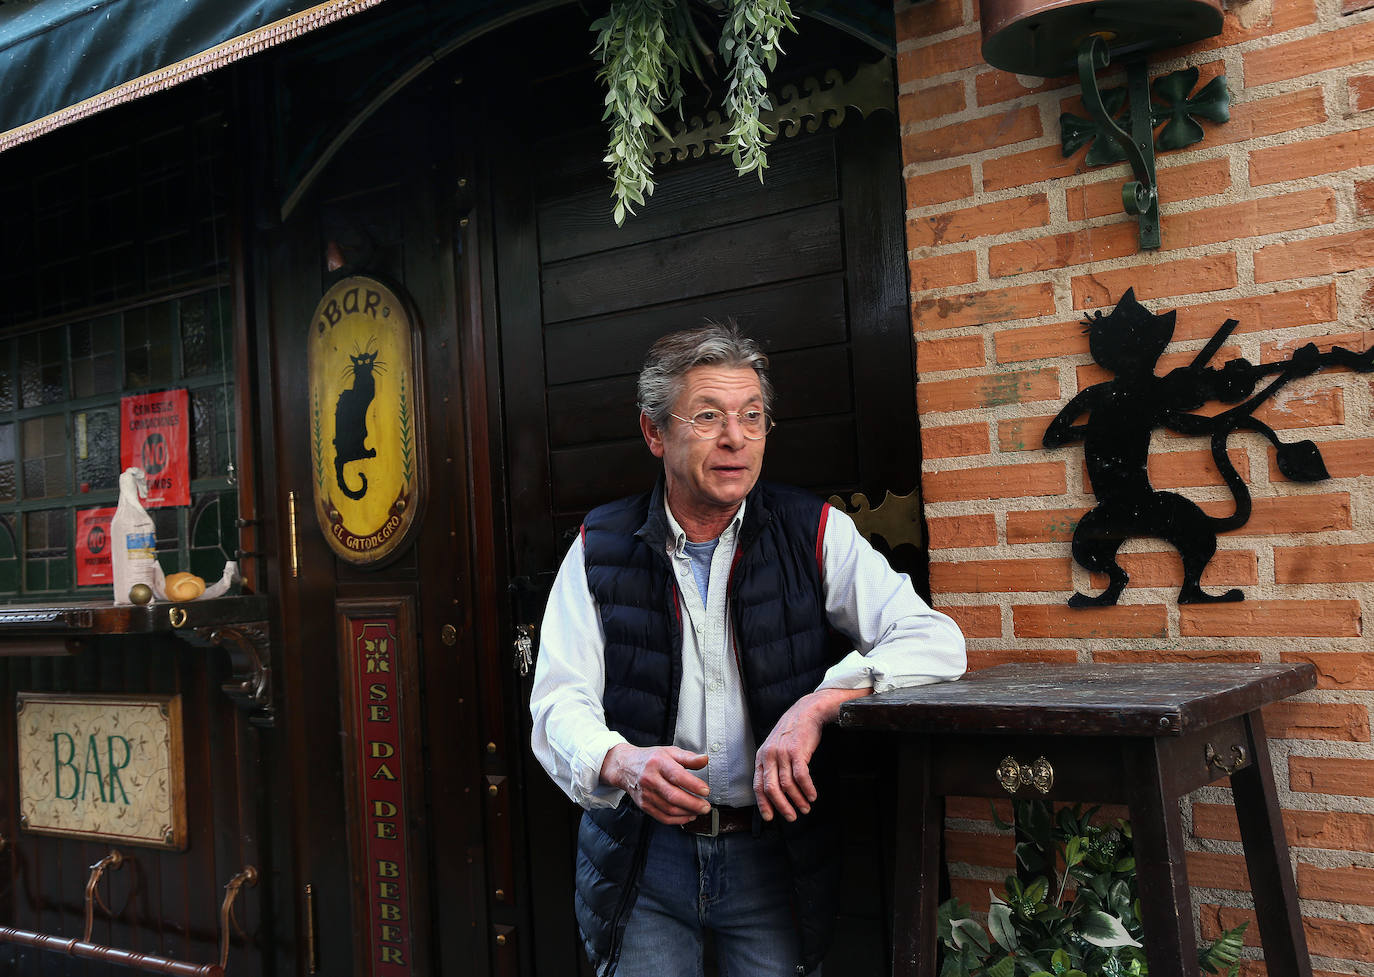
714, 830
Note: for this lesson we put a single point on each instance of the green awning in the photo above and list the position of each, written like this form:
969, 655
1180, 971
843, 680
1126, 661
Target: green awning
63, 60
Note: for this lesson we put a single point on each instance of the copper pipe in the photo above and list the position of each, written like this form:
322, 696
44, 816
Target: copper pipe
124, 958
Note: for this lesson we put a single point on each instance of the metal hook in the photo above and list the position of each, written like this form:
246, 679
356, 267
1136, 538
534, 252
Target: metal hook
1214, 759
249, 877
113, 860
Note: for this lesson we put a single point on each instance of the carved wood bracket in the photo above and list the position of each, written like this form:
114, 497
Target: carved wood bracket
250, 658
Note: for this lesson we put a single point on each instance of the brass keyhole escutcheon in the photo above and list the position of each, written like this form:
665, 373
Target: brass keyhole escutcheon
1012, 774
449, 635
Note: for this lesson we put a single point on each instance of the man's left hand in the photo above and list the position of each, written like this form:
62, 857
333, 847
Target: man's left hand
782, 771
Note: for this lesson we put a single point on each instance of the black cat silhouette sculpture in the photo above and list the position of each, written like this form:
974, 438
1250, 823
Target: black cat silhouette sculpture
1123, 411
350, 419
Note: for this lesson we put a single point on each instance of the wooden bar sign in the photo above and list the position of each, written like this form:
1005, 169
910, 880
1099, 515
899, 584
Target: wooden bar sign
378, 641
102, 767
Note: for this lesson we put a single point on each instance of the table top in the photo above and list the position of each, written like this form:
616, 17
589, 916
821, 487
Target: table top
1146, 699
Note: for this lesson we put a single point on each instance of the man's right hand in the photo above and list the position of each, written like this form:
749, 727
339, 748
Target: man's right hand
657, 780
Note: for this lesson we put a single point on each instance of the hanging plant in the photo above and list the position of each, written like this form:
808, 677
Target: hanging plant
1039, 929
645, 45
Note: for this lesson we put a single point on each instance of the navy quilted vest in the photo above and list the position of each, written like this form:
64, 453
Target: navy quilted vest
784, 645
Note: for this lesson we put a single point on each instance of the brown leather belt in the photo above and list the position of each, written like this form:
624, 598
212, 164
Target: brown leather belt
721, 821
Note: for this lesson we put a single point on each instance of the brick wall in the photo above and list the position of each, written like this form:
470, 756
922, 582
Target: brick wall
1270, 221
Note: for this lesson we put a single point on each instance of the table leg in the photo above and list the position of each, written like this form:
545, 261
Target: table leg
1266, 856
916, 884
1165, 902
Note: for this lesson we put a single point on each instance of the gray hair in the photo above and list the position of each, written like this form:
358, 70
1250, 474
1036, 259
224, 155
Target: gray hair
714, 344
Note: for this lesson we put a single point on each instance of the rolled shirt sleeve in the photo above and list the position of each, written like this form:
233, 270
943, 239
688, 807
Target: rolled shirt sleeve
900, 640
569, 737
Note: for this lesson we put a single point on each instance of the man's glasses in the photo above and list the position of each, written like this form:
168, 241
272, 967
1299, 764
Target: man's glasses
710, 423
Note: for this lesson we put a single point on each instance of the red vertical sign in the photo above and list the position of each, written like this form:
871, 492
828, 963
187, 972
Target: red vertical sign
155, 436
93, 546
382, 792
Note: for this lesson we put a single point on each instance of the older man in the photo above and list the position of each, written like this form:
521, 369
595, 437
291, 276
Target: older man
697, 640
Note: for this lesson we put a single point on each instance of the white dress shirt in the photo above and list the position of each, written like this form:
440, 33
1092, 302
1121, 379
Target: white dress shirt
898, 640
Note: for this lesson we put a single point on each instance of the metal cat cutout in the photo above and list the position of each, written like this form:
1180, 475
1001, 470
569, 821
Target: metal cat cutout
1123, 411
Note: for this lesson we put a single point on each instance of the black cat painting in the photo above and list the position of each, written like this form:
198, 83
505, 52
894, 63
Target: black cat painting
350, 419
1122, 413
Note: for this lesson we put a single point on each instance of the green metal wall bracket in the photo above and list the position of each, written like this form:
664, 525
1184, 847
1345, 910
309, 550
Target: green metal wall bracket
1146, 106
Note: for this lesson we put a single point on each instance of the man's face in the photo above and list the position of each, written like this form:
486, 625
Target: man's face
707, 479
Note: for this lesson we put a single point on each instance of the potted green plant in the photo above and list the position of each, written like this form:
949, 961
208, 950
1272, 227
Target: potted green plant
1040, 927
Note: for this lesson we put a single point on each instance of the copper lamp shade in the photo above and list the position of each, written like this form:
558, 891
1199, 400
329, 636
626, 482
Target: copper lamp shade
1042, 37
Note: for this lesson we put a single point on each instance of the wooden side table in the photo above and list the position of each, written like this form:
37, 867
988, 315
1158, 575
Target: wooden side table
1143, 735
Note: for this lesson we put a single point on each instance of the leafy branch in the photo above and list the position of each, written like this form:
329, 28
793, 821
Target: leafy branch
644, 47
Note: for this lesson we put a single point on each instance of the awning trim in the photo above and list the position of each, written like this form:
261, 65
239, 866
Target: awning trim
234, 49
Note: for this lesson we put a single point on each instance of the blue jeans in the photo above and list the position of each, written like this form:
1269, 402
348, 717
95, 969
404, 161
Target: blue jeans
734, 885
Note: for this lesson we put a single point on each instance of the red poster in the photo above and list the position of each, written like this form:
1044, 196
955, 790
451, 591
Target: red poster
156, 437
93, 546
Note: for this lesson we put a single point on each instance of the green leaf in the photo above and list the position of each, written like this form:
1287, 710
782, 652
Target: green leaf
1224, 952
1101, 929
967, 933
1000, 925
1006, 967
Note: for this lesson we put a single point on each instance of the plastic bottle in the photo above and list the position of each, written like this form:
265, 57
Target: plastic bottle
134, 555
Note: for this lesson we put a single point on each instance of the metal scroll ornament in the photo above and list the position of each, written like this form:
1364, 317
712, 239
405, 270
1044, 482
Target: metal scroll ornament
799, 108
1012, 774
897, 518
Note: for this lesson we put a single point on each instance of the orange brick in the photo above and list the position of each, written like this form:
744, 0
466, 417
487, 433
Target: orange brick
979, 809
973, 136
1214, 870
1321, 408
1354, 6
1344, 459
1280, 310
931, 17
926, 189
987, 658
1362, 93
979, 849
931, 103
1331, 49
1250, 218
1184, 182
1211, 273
1330, 255
989, 390
959, 353
1342, 722
1064, 250
1331, 775
995, 482
979, 308
930, 60
1325, 937
1337, 669
975, 620
1176, 656
1041, 342
1271, 619
1332, 830
1332, 563
949, 532
995, 86
1062, 621
1330, 154
1043, 525
997, 217
942, 270
1281, 16
971, 892
999, 576
955, 441
1249, 120
1352, 884
1229, 568
1022, 433
1177, 469
1272, 352
1364, 196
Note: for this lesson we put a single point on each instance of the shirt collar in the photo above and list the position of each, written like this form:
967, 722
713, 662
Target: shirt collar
677, 539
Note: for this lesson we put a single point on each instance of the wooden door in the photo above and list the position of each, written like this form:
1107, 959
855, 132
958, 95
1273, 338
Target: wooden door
811, 263
389, 207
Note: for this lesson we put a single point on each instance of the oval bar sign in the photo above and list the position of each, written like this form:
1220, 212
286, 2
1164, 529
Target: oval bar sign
364, 419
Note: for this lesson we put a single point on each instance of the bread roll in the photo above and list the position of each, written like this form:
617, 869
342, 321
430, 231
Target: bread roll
184, 586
